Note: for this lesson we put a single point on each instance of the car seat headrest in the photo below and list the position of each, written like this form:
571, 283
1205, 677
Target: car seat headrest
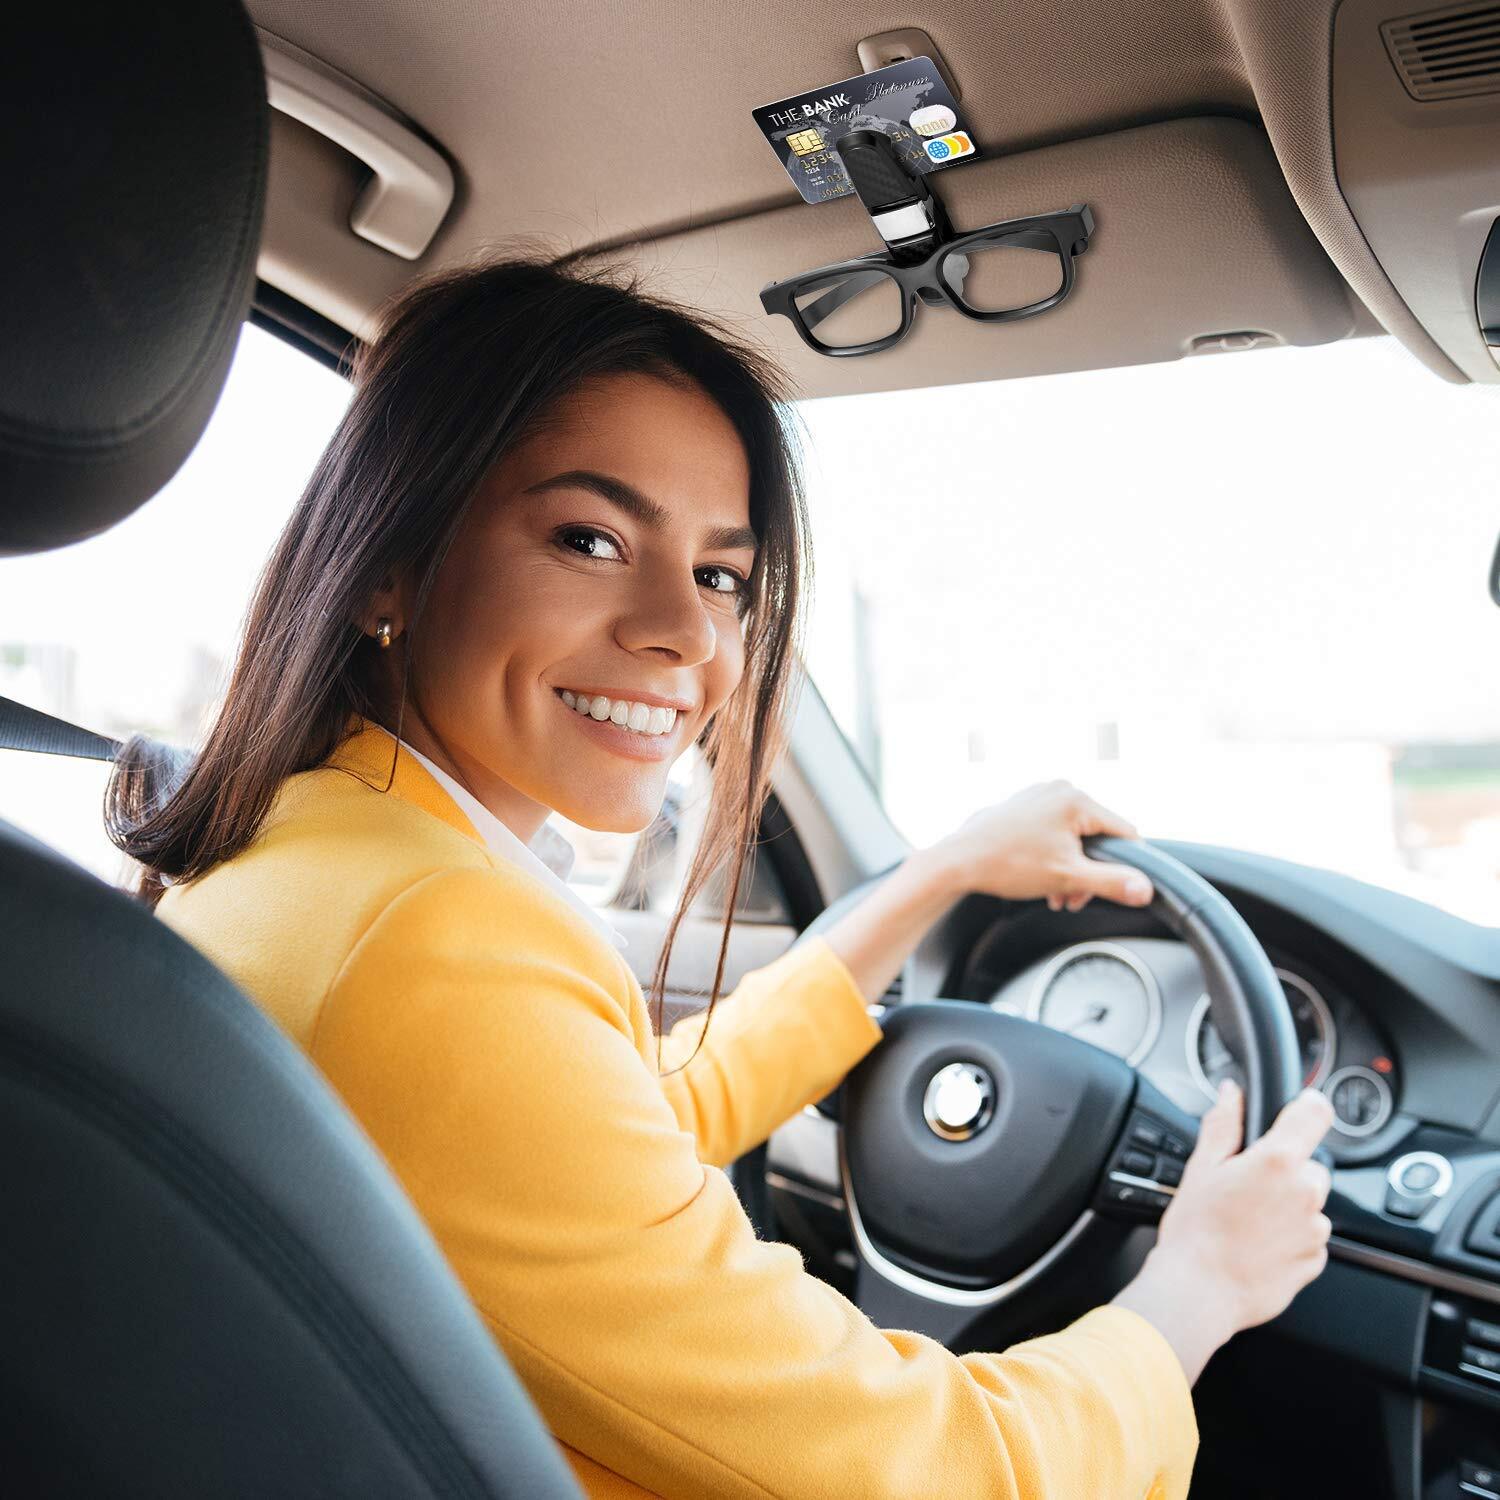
133, 161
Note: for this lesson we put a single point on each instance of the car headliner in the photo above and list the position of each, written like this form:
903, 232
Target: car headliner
594, 124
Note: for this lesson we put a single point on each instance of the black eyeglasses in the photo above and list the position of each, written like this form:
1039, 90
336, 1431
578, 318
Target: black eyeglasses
996, 275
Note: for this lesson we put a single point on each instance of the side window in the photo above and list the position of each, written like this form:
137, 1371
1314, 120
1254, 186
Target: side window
645, 872
134, 629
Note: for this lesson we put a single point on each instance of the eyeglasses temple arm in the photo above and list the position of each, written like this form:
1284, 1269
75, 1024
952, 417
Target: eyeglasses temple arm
835, 297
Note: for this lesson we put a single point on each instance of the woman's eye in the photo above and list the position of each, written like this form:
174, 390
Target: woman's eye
590, 543
720, 580
599, 546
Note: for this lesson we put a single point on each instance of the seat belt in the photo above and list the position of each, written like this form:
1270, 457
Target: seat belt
23, 728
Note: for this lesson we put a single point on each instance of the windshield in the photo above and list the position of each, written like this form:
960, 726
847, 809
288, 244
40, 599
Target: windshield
1240, 600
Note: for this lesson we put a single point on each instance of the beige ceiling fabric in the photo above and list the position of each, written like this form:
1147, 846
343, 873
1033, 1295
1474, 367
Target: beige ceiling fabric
593, 121
596, 123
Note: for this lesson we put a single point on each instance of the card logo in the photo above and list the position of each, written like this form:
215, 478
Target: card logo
946, 147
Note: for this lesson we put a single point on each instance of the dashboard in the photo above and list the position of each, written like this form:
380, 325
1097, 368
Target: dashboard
1396, 1004
1396, 1007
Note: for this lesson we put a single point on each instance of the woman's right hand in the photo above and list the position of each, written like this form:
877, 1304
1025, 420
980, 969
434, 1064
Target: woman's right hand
1245, 1232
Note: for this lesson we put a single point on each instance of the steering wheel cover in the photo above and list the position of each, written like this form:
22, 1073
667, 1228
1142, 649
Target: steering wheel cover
1246, 1000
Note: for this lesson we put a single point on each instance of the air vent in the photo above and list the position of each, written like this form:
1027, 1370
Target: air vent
1447, 54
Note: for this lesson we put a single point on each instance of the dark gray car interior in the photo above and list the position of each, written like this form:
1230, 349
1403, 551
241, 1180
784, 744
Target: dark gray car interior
210, 1285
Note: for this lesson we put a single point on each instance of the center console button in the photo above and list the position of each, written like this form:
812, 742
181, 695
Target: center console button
1418, 1177
1415, 1182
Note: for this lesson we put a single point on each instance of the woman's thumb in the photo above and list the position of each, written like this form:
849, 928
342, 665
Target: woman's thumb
1223, 1127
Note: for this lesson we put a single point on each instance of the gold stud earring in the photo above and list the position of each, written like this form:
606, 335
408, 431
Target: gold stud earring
384, 635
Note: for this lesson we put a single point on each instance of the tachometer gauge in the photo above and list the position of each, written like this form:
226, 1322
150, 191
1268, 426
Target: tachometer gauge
1210, 1062
1101, 993
1361, 1100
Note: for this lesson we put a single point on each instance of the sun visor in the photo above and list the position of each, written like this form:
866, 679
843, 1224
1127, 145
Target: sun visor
1198, 247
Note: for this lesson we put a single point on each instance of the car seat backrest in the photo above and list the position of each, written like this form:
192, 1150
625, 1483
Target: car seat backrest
210, 1285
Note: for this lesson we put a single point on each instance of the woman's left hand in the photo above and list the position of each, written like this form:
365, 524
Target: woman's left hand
1030, 846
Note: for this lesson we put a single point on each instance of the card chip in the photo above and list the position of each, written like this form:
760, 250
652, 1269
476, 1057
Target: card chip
805, 141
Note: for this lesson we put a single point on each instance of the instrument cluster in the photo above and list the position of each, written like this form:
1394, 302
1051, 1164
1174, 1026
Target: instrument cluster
1144, 999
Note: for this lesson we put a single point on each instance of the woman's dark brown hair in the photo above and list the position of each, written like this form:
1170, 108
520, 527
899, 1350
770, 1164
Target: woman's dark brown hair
464, 367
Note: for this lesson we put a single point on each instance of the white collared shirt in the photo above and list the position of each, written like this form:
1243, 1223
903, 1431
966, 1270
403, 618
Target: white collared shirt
549, 856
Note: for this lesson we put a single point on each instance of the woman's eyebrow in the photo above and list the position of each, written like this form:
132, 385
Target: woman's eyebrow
643, 508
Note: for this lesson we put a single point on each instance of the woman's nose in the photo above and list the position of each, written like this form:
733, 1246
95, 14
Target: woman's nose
669, 615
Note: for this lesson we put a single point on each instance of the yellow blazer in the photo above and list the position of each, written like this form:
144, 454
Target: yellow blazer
499, 1052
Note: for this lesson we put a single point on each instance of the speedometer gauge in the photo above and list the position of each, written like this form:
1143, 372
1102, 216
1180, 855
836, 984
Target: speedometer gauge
1210, 1062
1101, 993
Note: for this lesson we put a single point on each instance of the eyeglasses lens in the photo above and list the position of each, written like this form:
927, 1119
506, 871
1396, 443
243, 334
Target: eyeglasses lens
1004, 276
853, 308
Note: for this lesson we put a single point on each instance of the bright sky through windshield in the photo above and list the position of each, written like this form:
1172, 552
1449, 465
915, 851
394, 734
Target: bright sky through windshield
1240, 598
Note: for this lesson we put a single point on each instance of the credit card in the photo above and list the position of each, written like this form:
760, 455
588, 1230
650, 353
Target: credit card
908, 101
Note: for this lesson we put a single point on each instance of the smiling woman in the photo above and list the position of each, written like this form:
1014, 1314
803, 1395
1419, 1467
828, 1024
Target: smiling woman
477, 383
556, 543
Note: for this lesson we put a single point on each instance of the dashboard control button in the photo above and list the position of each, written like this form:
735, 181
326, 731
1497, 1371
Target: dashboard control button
1169, 1171
1399, 1206
1132, 1195
1481, 1331
1146, 1134
1418, 1177
1415, 1182
1482, 1359
1141, 1163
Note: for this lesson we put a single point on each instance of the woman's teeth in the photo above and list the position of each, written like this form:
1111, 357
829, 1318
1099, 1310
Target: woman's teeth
641, 717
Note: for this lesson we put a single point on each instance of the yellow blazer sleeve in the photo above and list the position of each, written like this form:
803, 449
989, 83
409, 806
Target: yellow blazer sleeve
785, 1036
476, 1035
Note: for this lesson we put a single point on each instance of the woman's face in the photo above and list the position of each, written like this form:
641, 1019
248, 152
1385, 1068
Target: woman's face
587, 620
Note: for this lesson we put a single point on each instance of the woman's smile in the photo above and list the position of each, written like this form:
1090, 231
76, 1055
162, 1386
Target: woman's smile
636, 728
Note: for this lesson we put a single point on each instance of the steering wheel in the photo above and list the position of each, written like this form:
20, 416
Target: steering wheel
978, 1148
